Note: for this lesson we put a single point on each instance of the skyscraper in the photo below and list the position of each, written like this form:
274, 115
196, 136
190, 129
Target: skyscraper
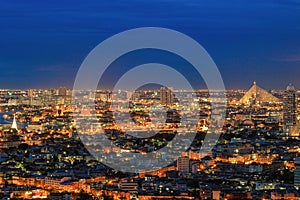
30, 94
166, 96
62, 91
297, 172
290, 108
183, 164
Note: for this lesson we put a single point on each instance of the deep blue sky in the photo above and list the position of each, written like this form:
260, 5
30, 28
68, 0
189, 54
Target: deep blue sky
43, 43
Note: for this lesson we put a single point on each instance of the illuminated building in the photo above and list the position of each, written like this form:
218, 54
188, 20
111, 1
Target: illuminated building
290, 108
183, 164
166, 96
14, 124
257, 95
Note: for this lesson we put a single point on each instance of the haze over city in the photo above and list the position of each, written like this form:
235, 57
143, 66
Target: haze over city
44, 43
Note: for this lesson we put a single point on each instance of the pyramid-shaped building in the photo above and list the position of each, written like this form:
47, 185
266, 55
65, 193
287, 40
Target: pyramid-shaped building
258, 95
14, 124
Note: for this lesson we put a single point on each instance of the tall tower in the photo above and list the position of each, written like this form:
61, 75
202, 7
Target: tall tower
163, 95
30, 95
289, 108
170, 97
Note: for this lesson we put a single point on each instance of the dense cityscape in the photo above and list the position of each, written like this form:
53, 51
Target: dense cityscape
256, 156
150, 100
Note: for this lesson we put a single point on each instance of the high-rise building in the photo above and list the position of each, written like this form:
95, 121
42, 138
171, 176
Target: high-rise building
297, 172
289, 108
183, 164
163, 95
166, 96
298, 101
30, 94
62, 91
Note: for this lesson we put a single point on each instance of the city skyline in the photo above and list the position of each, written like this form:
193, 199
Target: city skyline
147, 87
52, 147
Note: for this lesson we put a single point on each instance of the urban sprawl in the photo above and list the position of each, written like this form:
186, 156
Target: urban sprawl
43, 156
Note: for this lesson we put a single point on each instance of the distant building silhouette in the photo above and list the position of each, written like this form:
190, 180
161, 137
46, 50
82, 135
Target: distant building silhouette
62, 91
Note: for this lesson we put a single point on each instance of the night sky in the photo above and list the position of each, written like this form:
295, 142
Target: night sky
43, 43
